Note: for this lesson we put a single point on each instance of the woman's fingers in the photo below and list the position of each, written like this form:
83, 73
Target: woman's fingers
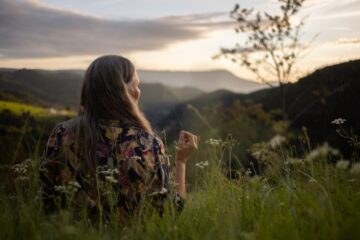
186, 145
194, 141
189, 139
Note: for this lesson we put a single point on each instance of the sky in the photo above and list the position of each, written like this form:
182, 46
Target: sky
177, 35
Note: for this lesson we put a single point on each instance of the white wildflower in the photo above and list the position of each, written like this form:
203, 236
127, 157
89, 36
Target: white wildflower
161, 192
293, 161
199, 165
108, 173
321, 152
312, 180
74, 184
202, 164
111, 179
262, 152
342, 164
277, 141
21, 169
71, 187
338, 121
61, 188
214, 142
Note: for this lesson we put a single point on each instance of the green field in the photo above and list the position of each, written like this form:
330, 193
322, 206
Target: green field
19, 108
24, 130
315, 195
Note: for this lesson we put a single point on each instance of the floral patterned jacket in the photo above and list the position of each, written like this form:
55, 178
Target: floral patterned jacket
133, 168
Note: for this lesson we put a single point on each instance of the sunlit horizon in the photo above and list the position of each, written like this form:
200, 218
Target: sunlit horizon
179, 36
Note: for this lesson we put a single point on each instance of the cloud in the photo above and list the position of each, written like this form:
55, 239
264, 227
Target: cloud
348, 41
337, 15
332, 9
340, 28
199, 17
343, 6
211, 21
29, 29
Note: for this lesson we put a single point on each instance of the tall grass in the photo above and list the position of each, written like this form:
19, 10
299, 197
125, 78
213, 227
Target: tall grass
315, 195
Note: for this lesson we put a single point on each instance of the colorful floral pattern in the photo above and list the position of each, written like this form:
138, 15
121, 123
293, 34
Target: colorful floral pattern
133, 167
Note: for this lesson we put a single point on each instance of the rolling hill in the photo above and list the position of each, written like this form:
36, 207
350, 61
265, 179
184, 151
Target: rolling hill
207, 81
61, 88
313, 101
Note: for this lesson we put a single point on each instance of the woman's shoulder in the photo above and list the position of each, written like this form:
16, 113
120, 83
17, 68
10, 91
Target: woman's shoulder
142, 136
129, 133
113, 131
133, 141
62, 129
114, 128
65, 125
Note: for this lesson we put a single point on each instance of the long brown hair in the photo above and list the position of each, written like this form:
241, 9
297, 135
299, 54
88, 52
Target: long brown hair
104, 96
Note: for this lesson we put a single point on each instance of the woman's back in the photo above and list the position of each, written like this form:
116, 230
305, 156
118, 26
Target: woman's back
105, 165
131, 165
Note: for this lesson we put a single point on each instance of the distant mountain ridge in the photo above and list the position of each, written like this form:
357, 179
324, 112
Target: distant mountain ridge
207, 81
313, 101
61, 88
161, 90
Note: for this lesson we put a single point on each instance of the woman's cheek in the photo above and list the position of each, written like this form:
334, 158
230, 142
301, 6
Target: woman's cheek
137, 93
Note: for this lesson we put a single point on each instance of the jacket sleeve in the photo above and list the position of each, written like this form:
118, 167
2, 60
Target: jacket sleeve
149, 162
50, 167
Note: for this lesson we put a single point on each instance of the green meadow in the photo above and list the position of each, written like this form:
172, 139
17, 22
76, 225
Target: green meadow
279, 138
309, 194
20, 108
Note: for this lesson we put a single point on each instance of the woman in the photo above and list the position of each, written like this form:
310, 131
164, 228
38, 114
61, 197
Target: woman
108, 159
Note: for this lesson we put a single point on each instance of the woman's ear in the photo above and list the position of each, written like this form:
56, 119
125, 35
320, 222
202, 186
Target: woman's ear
132, 90
133, 87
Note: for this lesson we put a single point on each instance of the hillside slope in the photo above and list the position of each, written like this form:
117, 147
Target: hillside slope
62, 88
313, 101
207, 81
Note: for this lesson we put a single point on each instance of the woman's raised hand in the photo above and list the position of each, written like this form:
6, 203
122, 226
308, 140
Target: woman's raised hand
186, 145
